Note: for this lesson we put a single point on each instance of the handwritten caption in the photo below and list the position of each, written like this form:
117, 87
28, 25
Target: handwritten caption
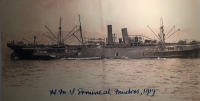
81, 91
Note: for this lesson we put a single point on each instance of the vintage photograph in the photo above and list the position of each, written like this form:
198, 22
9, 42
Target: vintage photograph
100, 50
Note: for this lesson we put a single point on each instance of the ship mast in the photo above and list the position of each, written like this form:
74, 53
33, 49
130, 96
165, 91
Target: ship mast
162, 35
60, 41
80, 29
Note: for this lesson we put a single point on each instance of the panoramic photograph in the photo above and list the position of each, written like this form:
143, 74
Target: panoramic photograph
102, 50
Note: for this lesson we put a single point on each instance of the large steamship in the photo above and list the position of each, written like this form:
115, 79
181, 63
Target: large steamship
129, 46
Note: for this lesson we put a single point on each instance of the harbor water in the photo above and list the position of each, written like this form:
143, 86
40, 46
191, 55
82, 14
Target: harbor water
172, 79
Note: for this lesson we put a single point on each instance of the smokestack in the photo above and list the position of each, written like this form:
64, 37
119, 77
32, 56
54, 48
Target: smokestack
110, 39
34, 40
125, 36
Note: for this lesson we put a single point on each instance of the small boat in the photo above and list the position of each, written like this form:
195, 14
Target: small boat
84, 58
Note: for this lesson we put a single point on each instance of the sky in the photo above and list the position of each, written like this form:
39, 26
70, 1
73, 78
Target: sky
27, 18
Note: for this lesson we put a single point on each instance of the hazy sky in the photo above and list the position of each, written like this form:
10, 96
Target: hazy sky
19, 17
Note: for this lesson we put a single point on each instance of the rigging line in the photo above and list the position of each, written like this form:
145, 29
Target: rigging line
26, 40
173, 33
77, 38
51, 32
170, 30
153, 32
70, 40
41, 39
71, 35
50, 38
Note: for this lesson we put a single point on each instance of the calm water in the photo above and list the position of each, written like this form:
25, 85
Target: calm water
173, 79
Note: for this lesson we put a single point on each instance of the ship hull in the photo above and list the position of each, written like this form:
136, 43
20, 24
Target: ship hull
20, 53
137, 52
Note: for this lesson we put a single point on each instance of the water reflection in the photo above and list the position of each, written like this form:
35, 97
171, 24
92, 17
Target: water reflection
173, 79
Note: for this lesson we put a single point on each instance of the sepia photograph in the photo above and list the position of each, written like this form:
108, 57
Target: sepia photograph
100, 50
